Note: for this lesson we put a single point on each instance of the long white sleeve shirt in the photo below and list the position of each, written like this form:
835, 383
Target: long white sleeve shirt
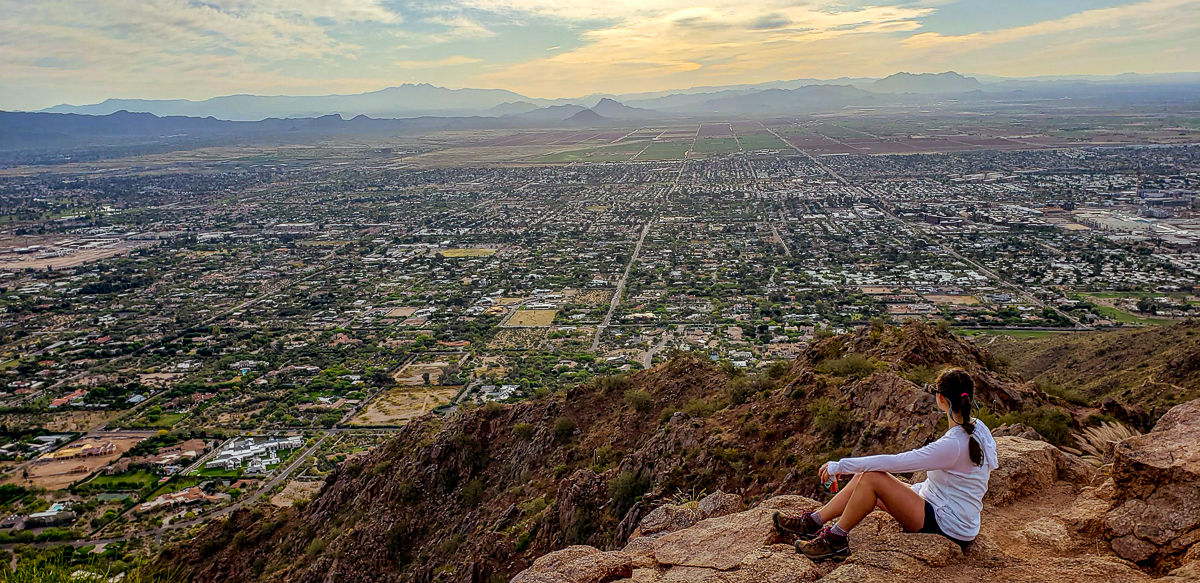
954, 486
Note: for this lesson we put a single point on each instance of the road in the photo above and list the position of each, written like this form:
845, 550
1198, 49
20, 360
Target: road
648, 357
775, 230
616, 299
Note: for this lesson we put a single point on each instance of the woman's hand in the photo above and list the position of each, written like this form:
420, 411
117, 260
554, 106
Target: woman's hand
823, 472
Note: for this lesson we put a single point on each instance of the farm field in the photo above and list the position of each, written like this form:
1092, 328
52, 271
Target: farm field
519, 338
531, 319
762, 141
400, 405
588, 297
138, 479
716, 146
474, 252
415, 375
58, 474
620, 152
673, 150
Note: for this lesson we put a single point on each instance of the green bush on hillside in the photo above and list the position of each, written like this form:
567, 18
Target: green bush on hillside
830, 418
639, 400
853, 365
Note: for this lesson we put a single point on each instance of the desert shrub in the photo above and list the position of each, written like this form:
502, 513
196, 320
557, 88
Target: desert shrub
472, 493
398, 541
409, 493
699, 408
731, 369
777, 369
1069, 395
523, 431
727, 454
535, 506
564, 429
451, 544
473, 452
1052, 423
830, 419
921, 375
997, 362
604, 457
526, 538
667, 414
739, 390
625, 489
639, 400
613, 383
852, 365
491, 409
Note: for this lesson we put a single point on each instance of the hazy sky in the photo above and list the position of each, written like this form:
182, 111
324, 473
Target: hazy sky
83, 51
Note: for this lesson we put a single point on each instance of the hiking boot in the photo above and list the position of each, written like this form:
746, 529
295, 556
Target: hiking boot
802, 525
825, 545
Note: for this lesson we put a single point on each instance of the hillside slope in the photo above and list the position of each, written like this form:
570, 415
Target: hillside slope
1155, 367
476, 497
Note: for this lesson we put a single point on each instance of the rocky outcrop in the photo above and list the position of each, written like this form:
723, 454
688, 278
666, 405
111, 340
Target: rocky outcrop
1155, 519
1027, 467
669, 518
577, 564
696, 543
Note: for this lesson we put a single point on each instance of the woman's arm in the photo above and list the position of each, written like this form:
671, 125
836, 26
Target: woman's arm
939, 455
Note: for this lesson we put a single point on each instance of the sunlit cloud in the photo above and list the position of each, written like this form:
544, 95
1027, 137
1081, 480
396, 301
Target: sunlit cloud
79, 50
433, 63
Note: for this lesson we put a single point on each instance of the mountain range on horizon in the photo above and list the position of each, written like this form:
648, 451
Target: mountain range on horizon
423, 99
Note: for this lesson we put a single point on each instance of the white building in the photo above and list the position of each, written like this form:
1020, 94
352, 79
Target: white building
253, 453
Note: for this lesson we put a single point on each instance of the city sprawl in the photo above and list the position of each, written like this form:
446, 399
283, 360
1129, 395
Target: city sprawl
184, 333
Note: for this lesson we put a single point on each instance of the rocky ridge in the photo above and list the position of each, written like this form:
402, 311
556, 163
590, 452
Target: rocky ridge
1045, 512
483, 495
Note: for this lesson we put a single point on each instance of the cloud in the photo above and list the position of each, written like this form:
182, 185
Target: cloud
81, 49
1152, 14
713, 43
435, 63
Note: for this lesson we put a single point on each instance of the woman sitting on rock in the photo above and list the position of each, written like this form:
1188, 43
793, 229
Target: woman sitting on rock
947, 503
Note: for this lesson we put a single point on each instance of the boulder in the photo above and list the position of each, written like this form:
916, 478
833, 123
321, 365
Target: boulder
718, 543
774, 564
1155, 517
790, 503
1048, 532
641, 552
669, 518
1086, 514
666, 519
577, 564
1028, 467
719, 504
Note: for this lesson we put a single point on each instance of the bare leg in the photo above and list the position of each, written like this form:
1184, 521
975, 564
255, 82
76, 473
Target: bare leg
899, 500
836, 506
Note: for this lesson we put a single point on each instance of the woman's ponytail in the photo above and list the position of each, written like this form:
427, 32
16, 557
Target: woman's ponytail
957, 387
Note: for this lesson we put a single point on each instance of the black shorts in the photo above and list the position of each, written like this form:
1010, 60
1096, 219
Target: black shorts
931, 527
